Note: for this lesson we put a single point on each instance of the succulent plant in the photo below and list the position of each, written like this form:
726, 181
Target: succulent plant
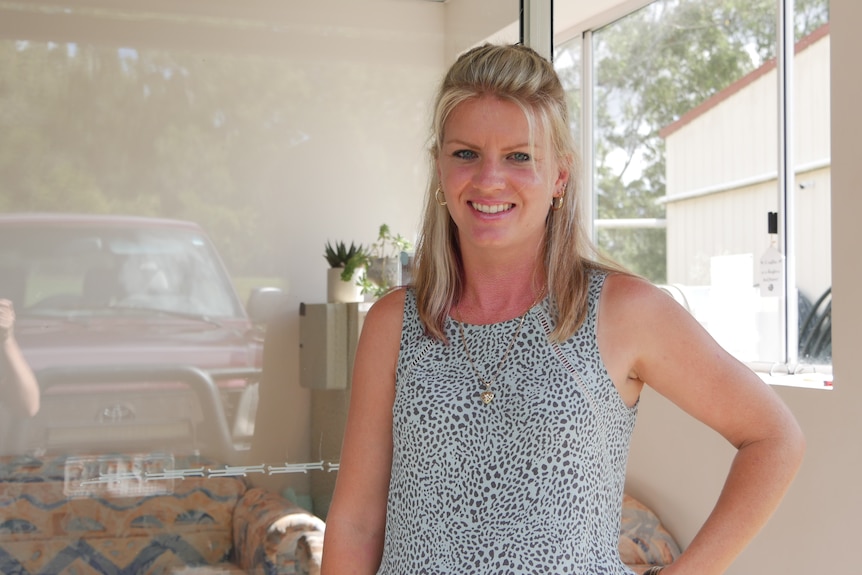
340, 256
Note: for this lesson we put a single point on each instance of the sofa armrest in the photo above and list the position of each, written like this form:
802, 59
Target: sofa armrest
309, 551
266, 531
644, 541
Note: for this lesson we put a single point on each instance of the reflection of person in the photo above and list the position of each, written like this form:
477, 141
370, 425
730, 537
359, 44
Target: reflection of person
493, 401
18, 388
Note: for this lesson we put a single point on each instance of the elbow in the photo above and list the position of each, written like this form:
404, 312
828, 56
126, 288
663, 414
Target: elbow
783, 446
798, 444
789, 446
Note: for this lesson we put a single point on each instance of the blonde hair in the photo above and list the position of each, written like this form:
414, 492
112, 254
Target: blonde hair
516, 74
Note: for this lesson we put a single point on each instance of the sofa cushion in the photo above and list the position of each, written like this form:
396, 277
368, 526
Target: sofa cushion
57, 518
643, 539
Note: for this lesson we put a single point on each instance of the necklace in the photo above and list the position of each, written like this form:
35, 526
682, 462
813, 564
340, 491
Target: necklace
487, 394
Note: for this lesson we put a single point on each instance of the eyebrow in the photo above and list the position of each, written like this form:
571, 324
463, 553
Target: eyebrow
458, 142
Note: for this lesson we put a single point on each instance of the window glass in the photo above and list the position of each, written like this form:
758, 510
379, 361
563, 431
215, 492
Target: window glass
170, 174
685, 163
720, 187
568, 62
131, 269
812, 187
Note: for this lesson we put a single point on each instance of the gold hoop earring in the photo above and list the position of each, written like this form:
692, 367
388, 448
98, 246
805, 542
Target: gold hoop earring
437, 193
557, 201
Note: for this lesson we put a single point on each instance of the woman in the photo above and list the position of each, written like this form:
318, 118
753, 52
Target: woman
493, 401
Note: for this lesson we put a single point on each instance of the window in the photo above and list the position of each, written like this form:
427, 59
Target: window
686, 152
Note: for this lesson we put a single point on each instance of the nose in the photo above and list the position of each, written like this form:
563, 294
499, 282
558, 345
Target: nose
489, 176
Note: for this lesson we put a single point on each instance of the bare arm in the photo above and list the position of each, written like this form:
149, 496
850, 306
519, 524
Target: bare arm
356, 520
651, 340
17, 382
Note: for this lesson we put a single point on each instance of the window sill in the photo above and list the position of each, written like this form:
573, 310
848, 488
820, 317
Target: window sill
806, 380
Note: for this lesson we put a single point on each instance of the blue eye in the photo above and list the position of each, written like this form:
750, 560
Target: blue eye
521, 157
464, 154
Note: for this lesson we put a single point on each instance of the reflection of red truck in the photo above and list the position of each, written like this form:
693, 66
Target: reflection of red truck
134, 330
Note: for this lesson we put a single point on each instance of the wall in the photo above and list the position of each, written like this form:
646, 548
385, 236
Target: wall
470, 21
678, 467
364, 165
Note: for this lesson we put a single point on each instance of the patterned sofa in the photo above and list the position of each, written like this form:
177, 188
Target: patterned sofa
148, 514
644, 541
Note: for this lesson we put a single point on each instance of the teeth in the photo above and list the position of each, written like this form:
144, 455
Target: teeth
492, 209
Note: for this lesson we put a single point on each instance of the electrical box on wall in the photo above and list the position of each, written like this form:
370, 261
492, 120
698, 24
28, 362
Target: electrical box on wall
328, 334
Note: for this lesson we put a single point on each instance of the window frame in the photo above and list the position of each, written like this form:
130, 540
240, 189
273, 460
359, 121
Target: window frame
789, 370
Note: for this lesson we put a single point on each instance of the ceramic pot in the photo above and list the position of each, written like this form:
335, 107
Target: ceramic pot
340, 291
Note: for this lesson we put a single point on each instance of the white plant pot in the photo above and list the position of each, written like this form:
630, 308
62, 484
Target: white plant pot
340, 291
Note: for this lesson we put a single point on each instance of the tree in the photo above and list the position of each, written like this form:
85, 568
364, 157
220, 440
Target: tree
102, 129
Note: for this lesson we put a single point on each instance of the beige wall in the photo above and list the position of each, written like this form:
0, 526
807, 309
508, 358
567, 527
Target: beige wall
470, 21
677, 466
366, 165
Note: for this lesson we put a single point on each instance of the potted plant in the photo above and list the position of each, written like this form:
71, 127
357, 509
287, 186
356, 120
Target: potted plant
383, 262
345, 270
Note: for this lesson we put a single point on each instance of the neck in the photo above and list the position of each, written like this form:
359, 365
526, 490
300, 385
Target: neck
495, 293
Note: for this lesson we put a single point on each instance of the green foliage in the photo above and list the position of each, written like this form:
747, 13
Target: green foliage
340, 256
388, 245
386, 248
97, 129
370, 287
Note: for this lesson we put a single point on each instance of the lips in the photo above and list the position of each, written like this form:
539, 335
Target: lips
491, 208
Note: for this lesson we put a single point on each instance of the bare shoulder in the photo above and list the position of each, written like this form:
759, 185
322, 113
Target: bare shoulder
646, 319
386, 313
631, 310
381, 329
624, 290
630, 302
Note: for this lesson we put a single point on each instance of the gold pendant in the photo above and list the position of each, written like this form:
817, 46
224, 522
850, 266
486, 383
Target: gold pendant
487, 396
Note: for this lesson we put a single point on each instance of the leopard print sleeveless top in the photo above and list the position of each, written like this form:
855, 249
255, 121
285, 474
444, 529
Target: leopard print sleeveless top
531, 483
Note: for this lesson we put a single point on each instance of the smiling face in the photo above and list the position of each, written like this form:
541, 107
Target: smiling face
497, 180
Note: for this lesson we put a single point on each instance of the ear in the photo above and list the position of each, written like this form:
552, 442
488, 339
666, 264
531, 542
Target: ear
560, 183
